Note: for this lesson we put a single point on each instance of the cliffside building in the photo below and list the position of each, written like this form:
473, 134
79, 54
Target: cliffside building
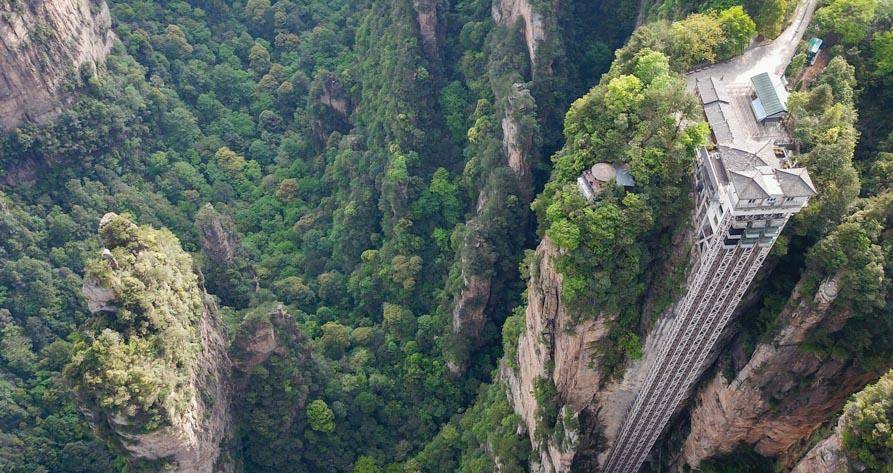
747, 188
593, 180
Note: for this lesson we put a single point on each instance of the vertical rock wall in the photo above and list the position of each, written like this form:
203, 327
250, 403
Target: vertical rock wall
784, 393
556, 345
429, 26
43, 44
153, 374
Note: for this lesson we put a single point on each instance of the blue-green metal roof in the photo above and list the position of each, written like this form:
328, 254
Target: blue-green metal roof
814, 45
767, 94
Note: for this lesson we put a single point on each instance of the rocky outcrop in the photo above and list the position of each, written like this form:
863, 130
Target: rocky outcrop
429, 26
516, 141
556, 345
509, 12
784, 393
260, 337
217, 235
826, 457
469, 309
44, 44
470, 303
553, 346
330, 106
519, 129
154, 376
224, 260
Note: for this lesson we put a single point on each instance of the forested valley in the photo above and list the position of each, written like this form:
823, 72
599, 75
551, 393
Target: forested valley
350, 193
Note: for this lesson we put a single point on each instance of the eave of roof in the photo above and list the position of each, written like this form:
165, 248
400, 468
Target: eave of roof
746, 185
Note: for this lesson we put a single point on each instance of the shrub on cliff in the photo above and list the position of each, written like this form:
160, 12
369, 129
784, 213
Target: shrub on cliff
868, 426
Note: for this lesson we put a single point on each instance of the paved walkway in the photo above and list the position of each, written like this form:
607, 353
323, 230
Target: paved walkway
773, 57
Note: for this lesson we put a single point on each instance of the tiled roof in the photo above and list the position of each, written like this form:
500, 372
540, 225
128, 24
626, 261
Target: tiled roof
735, 159
709, 91
716, 117
746, 185
795, 182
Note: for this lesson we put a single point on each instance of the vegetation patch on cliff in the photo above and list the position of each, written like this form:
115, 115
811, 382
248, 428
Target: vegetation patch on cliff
136, 361
640, 115
868, 427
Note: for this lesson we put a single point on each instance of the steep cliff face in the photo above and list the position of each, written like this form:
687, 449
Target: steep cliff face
517, 144
429, 26
43, 44
783, 393
153, 374
534, 27
826, 457
224, 260
473, 298
831, 341
557, 346
517, 114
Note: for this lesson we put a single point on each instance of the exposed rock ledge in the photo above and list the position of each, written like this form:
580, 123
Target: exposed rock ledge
44, 43
189, 439
826, 457
783, 394
552, 338
429, 26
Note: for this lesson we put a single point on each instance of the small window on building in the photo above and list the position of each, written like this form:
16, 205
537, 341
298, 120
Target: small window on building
752, 201
789, 199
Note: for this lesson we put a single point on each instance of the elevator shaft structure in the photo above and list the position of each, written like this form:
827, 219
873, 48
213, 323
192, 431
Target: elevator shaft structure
747, 189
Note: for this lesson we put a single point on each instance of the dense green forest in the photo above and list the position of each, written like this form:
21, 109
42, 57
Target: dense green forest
358, 173
342, 155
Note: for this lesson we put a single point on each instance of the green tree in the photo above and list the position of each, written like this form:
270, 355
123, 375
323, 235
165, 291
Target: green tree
738, 29
320, 417
882, 53
848, 19
366, 464
868, 426
335, 339
696, 39
768, 15
259, 59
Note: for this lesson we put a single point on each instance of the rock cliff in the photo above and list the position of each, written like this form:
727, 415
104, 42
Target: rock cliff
799, 379
555, 345
224, 260
556, 348
826, 457
517, 114
518, 143
862, 439
152, 375
534, 26
43, 45
783, 393
430, 28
